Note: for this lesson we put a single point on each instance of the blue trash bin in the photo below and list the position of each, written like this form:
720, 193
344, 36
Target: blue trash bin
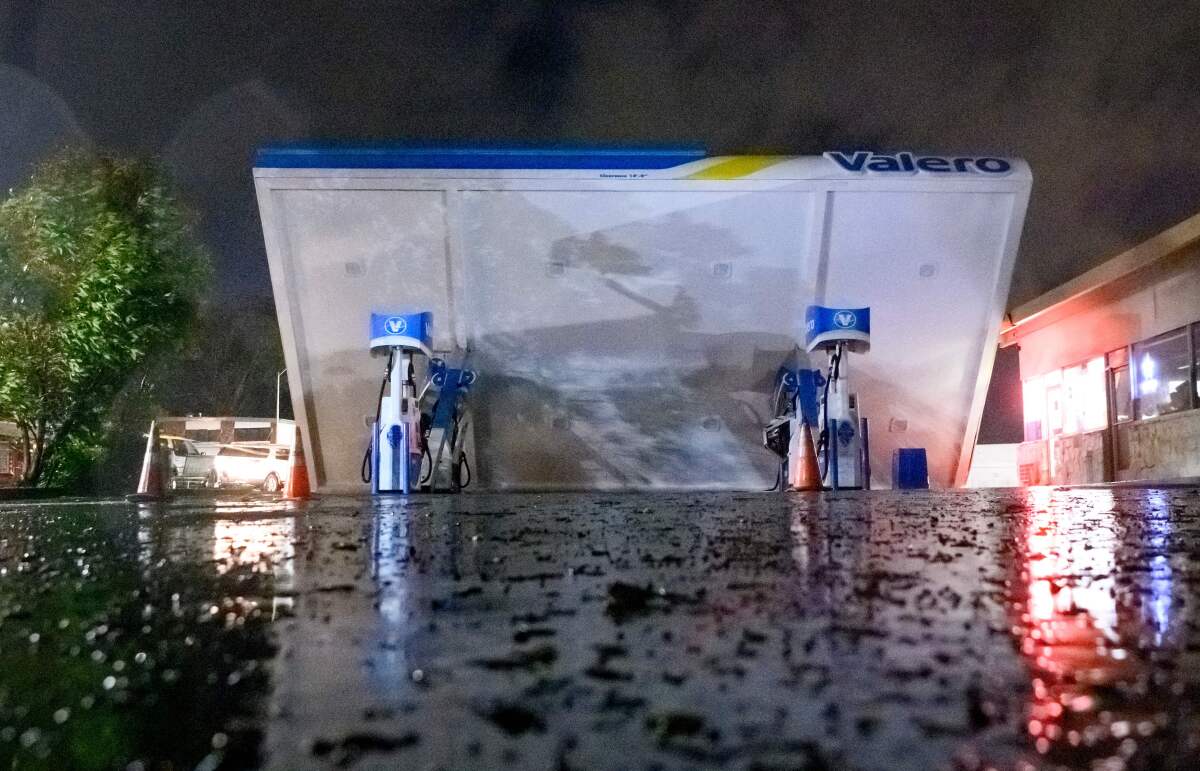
910, 469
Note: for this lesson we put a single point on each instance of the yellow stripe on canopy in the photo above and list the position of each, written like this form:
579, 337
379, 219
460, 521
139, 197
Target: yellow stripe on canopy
738, 166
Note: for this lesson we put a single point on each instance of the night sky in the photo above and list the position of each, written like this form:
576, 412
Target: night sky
1103, 104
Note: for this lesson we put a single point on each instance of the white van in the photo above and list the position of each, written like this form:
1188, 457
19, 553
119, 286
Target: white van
265, 466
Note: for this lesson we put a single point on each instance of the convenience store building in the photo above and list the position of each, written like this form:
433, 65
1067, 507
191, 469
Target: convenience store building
1108, 366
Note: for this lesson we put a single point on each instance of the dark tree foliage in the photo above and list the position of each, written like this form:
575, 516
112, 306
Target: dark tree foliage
229, 364
100, 276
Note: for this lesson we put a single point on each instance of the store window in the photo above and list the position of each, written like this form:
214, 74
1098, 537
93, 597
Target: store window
1120, 391
1033, 402
1163, 370
1084, 405
1054, 402
1122, 394
1071, 400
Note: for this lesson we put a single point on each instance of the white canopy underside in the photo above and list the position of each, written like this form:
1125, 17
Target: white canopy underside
627, 332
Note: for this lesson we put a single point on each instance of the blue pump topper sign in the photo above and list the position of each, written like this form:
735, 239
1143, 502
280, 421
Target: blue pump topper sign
819, 320
829, 326
865, 162
404, 330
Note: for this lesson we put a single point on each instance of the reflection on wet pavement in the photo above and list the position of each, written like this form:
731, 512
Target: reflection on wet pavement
134, 638
1104, 629
965, 630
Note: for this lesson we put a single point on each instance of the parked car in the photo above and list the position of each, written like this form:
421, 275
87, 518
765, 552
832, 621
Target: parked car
189, 467
265, 466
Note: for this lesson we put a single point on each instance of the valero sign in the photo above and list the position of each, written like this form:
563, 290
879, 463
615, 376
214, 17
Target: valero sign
907, 163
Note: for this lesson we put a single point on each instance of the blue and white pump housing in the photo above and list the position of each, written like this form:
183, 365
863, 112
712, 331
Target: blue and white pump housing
841, 441
396, 440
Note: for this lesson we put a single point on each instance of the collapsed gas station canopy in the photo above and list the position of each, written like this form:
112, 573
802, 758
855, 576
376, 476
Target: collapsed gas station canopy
627, 309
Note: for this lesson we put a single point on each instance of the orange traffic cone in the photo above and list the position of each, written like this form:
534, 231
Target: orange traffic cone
803, 472
297, 484
152, 480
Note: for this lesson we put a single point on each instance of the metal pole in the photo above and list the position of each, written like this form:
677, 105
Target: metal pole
866, 454
278, 377
828, 470
833, 456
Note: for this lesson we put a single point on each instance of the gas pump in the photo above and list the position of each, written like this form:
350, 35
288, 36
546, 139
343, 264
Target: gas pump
447, 426
840, 443
399, 459
397, 447
824, 403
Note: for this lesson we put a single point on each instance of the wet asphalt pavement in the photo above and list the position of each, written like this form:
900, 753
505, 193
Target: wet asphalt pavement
960, 630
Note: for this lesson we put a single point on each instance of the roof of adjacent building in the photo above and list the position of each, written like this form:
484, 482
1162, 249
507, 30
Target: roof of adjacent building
1066, 297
